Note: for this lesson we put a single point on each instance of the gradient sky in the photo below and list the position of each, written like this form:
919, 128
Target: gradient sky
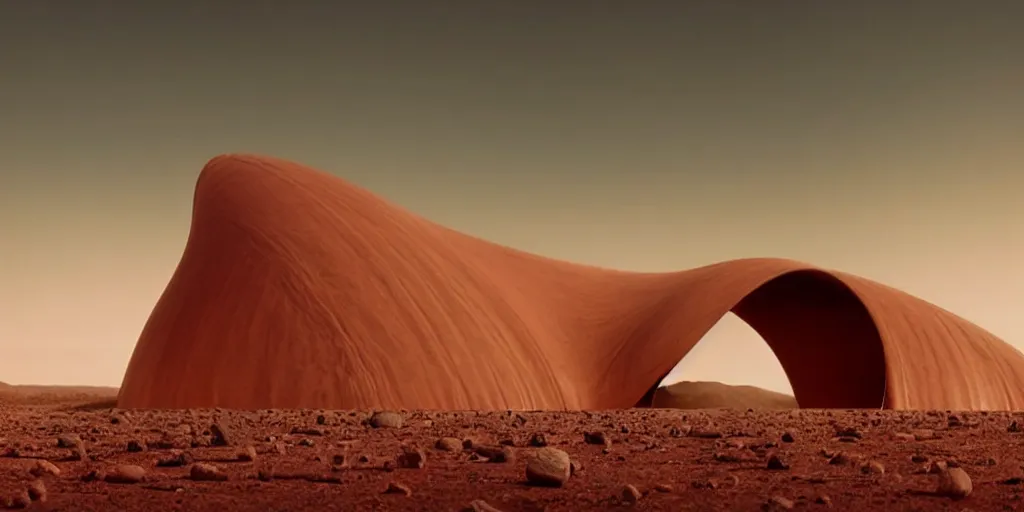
880, 139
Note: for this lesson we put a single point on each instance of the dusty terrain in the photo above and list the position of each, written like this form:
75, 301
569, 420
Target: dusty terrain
337, 460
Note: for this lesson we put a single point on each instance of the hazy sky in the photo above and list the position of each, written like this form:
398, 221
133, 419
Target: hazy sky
883, 140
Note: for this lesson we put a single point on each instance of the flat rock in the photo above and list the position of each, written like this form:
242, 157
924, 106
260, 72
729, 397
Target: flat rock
125, 474
386, 419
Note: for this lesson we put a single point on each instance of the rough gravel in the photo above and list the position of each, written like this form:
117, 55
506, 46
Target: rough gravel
54, 458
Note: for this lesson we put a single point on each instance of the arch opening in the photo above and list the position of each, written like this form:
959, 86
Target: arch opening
731, 366
823, 337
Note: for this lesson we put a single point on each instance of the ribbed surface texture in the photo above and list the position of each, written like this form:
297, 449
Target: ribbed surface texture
298, 289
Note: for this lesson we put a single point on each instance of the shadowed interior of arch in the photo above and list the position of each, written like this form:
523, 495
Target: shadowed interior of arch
823, 336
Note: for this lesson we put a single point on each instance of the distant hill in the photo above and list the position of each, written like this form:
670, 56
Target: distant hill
681, 395
715, 395
48, 395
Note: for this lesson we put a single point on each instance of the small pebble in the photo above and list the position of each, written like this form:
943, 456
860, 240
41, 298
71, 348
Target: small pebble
37, 491
397, 488
778, 502
482, 506
448, 444
412, 458
538, 440
386, 419
775, 463
220, 436
872, 467
44, 467
954, 483
248, 454
202, 472
630, 494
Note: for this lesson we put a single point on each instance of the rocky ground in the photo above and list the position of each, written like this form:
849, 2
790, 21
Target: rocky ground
59, 458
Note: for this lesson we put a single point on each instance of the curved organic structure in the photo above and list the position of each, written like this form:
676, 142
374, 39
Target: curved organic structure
297, 289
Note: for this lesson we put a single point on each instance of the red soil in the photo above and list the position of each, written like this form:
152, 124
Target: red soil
677, 460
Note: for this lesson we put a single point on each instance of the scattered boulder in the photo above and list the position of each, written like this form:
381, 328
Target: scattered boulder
595, 438
705, 434
174, 460
839, 459
125, 474
412, 458
74, 443
220, 435
397, 488
481, 506
307, 431
248, 454
779, 503
549, 467
923, 434
37, 491
448, 444
937, 467
44, 467
851, 432
496, 453
386, 419
630, 494
203, 472
776, 463
69, 441
954, 483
